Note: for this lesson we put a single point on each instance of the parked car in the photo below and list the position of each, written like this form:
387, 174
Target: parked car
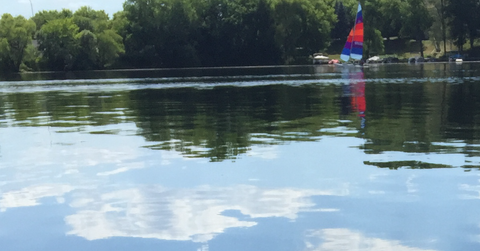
414, 60
389, 60
319, 58
375, 59
454, 57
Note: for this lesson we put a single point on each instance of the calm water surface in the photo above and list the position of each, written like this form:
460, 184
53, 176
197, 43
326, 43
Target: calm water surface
282, 158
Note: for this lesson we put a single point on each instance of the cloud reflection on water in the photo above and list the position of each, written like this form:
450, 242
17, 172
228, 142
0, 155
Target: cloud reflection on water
185, 214
30, 196
340, 239
473, 191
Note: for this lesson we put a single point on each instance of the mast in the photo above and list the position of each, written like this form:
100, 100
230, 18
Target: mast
31, 7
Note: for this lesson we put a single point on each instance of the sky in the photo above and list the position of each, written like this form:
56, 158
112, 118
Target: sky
23, 7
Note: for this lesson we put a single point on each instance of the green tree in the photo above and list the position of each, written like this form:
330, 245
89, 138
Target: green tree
439, 27
259, 47
178, 48
417, 21
374, 44
463, 21
84, 40
373, 19
390, 22
31, 58
86, 58
15, 35
87, 18
59, 44
472, 8
100, 45
217, 30
160, 33
344, 22
110, 48
237, 33
304, 24
42, 17
119, 23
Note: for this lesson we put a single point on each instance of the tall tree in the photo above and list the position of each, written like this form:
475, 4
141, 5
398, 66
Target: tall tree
458, 12
15, 35
464, 20
303, 24
389, 20
237, 33
87, 18
439, 28
373, 21
100, 44
86, 58
110, 48
344, 22
58, 43
42, 17
260, 47
473, 19
417, 21
160, 33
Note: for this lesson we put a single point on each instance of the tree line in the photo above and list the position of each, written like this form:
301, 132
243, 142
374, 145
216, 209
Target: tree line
192, 33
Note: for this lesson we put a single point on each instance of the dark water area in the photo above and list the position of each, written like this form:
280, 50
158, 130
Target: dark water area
304, 158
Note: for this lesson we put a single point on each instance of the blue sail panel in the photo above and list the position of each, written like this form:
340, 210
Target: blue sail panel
345, 56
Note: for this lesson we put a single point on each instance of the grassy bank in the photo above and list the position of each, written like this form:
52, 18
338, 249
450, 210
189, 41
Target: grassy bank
404, 49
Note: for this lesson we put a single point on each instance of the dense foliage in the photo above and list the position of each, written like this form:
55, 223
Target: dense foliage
190, 33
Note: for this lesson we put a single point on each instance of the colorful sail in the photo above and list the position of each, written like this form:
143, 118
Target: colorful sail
357, 46
354, 45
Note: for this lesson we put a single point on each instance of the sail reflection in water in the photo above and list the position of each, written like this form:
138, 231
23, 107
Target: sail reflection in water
359, 103
353, 98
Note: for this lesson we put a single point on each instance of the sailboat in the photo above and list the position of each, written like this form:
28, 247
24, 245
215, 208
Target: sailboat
354, 46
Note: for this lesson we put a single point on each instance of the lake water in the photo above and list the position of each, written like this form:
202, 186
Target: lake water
277, 158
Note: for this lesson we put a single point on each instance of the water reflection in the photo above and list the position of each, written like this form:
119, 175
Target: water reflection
218, 123
214, 159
